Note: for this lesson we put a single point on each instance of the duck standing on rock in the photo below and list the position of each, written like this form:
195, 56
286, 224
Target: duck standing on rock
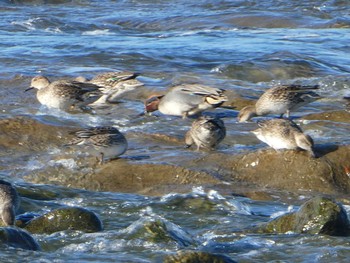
280, 100
9, 203
186, 100
64, 94
103, 142
206, 132
284, 134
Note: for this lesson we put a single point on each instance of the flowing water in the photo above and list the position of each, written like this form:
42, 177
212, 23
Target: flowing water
243, 46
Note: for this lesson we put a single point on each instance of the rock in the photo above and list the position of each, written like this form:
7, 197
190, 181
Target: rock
196, 257
285, 170
122, 176
319, 215
24, 134
68, 218
336, 116
37, 193
159, 230
18, 238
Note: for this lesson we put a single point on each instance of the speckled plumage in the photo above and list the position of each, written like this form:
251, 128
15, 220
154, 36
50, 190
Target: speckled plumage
105, 142
113, 85
206, 132
9, 203
110, 79
284, 134
112, 95
186, 100
63, 94
280, 100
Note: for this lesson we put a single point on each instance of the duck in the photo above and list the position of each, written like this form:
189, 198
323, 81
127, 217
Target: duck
64, 94
104, 142
284, 134
280, 100
186, 100
9, 203
206, 132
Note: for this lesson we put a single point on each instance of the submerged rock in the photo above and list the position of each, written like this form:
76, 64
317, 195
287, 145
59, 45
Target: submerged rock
158, 230
68, 218
18, 238
197, 257
319, 215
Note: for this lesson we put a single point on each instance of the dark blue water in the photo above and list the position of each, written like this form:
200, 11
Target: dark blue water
242, 46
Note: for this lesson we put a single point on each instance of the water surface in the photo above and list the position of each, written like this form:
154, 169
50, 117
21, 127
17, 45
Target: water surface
241, 46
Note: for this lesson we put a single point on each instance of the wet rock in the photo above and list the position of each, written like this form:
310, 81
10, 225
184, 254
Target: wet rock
336, 116
197, 257
283, 170
159, 230
37, 193
287, 169
68, 218
258, 195
18, 238
24, 134
122, 176
319, 215
23, 219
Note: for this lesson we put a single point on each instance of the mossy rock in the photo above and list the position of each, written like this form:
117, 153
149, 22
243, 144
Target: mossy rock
36, 193
158, 230
18, 238
68, 218
319, 215
197, 257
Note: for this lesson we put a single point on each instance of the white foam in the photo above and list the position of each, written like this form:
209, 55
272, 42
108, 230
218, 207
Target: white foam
66, 163
98, 32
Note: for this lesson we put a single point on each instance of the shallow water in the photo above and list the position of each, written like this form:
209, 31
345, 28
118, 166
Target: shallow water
241, 46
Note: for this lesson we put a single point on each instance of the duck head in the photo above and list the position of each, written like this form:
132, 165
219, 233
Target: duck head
151, 104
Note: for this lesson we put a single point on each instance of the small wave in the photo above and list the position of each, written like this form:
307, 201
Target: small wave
280, 213
28, 24
38, 23
98, 32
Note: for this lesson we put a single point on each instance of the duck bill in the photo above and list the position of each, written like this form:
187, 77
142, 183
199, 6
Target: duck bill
30, 88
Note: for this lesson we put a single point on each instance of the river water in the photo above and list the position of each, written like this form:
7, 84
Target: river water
243, 46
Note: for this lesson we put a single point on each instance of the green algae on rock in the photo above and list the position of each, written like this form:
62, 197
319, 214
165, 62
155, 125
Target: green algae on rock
159, 230
18, 238
68, 218
319, 215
